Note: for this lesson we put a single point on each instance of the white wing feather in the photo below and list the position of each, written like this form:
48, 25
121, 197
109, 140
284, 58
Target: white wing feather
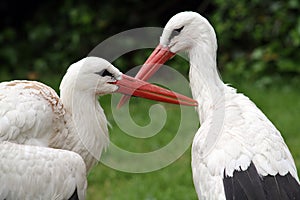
32, 172
27, 112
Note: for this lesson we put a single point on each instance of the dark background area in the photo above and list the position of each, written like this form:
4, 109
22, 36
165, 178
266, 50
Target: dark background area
258, 40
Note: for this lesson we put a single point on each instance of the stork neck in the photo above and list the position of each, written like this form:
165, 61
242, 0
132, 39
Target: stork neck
87, 126
206, 84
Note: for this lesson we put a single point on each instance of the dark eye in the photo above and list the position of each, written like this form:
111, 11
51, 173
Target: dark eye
175, 32
178, 29
104, 73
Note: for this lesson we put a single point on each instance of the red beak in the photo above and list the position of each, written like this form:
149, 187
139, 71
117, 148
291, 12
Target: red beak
135, 87
158, 57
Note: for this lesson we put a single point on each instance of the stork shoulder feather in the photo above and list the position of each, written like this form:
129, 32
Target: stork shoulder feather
23, 105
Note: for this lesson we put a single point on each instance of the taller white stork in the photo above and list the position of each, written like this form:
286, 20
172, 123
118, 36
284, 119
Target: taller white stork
237, 152
33, 118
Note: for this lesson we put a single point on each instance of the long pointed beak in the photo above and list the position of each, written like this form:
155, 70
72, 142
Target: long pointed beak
158, 57
135, 87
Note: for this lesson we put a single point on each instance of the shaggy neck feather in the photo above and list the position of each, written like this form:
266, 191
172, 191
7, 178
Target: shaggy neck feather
207, 86
86, 125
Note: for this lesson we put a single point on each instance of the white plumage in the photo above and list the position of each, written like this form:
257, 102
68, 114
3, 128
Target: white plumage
61, 173
237, 153
24, 105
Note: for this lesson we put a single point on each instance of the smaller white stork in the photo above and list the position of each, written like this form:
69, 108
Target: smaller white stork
34, 117
237, 153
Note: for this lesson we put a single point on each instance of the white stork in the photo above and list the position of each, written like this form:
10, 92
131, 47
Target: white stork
33, 118
237, 153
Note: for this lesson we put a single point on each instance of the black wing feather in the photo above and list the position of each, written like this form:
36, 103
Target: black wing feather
246, 184
74, 196
249, 184
271, 187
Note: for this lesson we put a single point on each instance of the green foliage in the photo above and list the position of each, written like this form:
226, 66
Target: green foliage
258, 38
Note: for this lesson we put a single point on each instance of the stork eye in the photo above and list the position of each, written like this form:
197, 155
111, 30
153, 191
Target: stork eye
104, 73
178, 29
175, 32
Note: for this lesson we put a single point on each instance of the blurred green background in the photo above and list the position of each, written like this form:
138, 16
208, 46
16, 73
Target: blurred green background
258, 54
257, 39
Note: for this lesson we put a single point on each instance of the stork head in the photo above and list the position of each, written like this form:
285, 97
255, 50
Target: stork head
186, 30
90, 75
96, 76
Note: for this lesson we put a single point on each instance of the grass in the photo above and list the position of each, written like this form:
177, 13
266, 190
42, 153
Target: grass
281, 104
